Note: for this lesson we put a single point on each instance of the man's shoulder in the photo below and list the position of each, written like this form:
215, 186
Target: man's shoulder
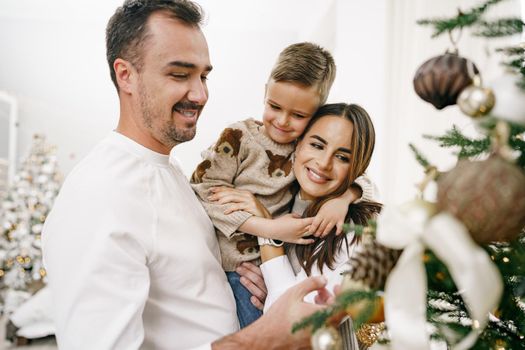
105, 169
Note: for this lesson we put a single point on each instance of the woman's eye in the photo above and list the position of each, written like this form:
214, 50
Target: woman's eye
316, 145
343, 158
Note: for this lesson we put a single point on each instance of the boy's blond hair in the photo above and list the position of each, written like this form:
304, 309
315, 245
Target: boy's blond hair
307, 64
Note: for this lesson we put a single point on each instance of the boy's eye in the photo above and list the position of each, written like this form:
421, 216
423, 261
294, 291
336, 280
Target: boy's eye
299, 116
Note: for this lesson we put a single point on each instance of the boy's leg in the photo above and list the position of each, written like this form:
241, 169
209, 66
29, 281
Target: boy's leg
246, 311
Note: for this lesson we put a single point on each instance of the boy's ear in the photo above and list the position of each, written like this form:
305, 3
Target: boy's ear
125, 75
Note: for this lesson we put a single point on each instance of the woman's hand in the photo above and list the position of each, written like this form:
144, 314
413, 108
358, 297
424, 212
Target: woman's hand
238, 200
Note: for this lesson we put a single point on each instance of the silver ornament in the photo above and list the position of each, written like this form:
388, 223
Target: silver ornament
326, 338
476, 100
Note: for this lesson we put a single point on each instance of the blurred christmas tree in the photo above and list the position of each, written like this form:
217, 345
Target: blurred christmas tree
23, 212
462, 268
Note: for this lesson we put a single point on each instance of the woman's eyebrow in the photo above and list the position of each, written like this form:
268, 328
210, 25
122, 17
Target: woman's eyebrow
317, 137
342, 149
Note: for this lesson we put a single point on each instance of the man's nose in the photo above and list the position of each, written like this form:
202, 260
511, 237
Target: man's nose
198, 92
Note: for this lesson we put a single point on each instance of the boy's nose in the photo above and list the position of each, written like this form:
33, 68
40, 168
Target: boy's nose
283, 121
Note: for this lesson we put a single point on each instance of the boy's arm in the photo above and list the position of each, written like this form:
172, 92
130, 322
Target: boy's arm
289, 228
368, 189
219, 167
333, 212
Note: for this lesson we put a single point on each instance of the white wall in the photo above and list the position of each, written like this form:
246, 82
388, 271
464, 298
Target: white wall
52, 57
53, 60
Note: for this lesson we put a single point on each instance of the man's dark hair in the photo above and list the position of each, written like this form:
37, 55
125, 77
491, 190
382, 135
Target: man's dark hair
127, 32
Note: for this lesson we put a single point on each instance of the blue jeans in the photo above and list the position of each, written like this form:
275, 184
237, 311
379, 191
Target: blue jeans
246, 311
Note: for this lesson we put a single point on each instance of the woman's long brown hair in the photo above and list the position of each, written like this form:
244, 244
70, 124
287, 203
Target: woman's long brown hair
323, 251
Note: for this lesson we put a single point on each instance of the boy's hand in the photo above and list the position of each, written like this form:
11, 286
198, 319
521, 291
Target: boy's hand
333, 213
290, 228
238, 200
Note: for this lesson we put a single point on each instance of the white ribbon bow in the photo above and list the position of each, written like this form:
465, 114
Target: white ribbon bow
476, 277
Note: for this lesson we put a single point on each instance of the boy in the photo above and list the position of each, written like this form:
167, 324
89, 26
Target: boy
257, 157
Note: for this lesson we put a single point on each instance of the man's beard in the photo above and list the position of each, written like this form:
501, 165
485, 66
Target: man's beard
168, 133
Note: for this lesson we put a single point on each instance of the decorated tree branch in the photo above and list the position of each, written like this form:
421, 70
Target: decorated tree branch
22, 215
451, 270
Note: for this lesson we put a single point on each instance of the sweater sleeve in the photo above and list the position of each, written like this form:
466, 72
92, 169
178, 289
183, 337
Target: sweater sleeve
370, 191
219, 167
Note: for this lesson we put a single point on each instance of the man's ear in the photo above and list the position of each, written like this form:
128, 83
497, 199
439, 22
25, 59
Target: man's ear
125, 74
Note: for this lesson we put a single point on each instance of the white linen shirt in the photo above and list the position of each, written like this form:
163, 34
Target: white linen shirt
132, 257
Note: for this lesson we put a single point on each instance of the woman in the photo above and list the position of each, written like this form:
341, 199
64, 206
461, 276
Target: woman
334, 150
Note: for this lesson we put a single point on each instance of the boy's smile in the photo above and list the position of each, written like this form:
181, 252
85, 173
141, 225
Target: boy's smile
288, 108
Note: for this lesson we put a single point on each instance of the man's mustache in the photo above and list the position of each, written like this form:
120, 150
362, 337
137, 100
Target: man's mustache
188, 105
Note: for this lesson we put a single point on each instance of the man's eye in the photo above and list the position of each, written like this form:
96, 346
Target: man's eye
179, 76
204, 77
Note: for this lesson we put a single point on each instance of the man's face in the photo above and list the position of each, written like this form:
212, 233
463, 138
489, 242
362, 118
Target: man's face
171, 85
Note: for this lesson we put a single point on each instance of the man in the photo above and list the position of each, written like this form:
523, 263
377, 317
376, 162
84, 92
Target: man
132, 258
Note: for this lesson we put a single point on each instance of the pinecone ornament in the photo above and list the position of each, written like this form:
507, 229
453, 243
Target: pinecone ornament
441, 79
370, 265
487, 196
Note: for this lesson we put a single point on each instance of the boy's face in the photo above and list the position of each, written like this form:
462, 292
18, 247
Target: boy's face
288, 108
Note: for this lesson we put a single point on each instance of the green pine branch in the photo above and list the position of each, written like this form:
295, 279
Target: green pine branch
359, 230
345, 299
462, 20
515, 61
468, 147
421, 159
499, 28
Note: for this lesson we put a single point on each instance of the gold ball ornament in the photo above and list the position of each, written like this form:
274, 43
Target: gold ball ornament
326, 338
488, 197
441, 79
476, 100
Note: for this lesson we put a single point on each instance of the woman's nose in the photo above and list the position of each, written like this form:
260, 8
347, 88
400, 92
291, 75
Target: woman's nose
325, 161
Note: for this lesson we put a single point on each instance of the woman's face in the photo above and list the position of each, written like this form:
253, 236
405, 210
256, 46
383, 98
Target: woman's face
322, 157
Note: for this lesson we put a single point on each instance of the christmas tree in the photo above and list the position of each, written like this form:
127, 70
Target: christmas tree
452, 271
23, 212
